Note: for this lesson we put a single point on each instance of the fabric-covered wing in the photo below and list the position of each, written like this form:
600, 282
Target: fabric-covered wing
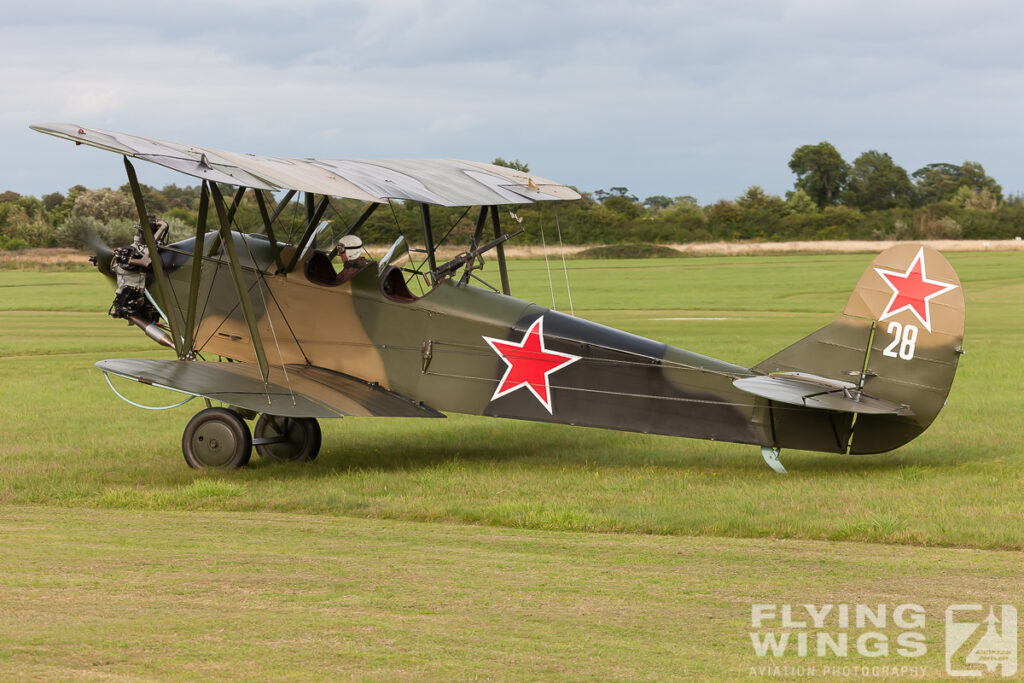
447, 182
307, 391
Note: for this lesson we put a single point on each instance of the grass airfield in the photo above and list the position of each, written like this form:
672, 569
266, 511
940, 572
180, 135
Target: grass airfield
479, 548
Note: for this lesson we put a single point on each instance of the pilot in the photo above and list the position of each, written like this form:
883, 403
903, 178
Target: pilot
350, 248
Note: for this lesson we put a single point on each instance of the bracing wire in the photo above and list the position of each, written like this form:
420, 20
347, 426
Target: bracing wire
417, 269
241, 294
291, 228
565, 268
547, 264
342, 221
454, 225
270, 318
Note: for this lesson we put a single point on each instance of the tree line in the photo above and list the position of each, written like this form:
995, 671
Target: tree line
871, 198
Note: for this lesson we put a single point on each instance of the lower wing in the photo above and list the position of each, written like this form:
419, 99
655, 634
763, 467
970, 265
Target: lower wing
292, 391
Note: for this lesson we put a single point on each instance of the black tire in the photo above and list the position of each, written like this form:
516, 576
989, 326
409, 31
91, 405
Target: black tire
217, 437
302, 438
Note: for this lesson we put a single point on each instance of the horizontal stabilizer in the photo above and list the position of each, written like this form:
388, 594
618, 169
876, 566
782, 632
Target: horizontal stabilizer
302, 391
812, 391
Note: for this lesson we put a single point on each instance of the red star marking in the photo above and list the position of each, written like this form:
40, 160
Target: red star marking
529, 364
912, 290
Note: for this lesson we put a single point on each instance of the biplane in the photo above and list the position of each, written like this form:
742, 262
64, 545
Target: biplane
296, 339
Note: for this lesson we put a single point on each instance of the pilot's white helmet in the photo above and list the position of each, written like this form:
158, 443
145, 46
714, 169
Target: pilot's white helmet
351, 245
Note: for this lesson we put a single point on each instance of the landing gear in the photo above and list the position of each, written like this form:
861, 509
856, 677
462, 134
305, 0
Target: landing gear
293, 439
220, 437
217, 437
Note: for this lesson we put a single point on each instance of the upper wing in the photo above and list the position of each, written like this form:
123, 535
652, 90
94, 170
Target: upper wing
302, 391
447, 182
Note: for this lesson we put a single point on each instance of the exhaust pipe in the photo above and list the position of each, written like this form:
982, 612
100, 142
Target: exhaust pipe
153, 331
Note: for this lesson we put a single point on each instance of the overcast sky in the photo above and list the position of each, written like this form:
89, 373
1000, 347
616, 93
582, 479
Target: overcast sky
676, 98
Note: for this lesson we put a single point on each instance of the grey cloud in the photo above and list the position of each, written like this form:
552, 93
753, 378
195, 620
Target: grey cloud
664, 97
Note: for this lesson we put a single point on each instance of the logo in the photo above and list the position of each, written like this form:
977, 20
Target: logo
824, 632
912, 291
978, 644
529, 364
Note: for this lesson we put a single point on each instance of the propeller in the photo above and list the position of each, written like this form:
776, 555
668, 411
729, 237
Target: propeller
102, 253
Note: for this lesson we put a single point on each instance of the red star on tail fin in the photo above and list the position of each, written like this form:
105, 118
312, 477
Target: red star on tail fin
912, 291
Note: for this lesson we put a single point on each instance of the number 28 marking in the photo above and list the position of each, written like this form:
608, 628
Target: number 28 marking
904, 337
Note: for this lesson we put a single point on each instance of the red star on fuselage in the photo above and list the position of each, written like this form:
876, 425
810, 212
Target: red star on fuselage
529, 364
912, 291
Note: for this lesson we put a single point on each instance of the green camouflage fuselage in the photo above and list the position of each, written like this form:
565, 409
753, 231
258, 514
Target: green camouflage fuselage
454, 349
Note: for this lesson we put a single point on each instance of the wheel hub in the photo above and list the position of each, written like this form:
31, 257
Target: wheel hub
214, 443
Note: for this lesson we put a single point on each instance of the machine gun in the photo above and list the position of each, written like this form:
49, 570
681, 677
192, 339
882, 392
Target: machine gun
472, 259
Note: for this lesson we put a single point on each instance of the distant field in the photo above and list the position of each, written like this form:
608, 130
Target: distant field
79, 469
71, 259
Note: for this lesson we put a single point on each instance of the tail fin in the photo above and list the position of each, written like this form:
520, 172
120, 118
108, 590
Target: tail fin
898, 340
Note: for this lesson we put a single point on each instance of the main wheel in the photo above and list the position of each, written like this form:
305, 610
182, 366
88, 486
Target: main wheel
299, 438
217, 437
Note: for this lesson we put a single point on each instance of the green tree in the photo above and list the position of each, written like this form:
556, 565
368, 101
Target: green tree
799, 202
622, 192
756, 198
624, 205
156, 202
940, 182
876, 183
104, 205
658, 201
936, 182
760, 213
515, 163
52, 202
182, 197
972, 175
32, 206
820, 172
973, 199
60, 213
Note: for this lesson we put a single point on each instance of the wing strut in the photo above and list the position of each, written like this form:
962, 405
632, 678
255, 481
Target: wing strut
197, 268
236, 200
281, 206
163, 286
502, 267
269, 227
428, 239
363, 217
481, 221
313, 216
236, 274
